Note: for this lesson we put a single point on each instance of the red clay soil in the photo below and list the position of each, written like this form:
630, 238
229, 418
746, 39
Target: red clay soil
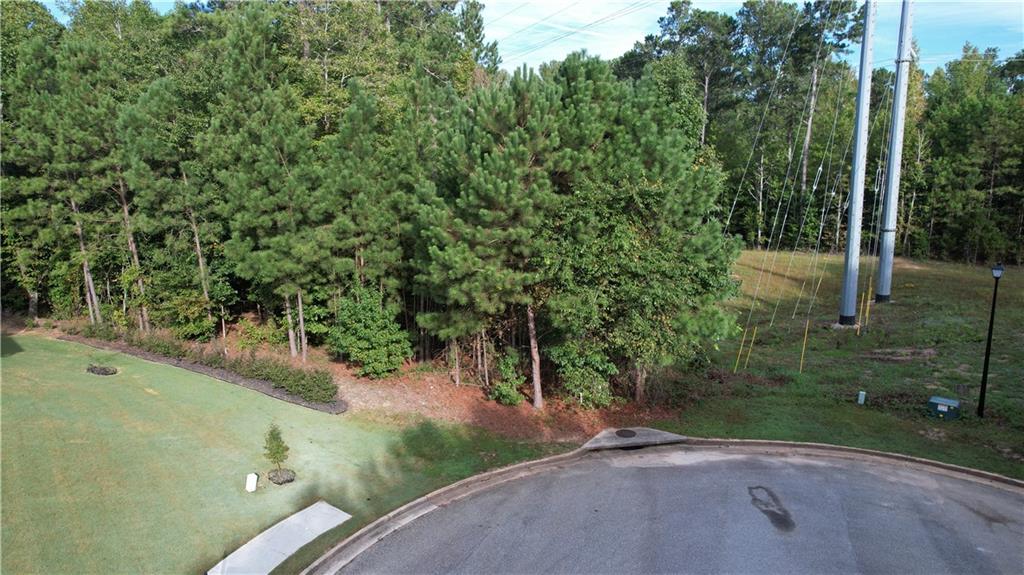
433, 395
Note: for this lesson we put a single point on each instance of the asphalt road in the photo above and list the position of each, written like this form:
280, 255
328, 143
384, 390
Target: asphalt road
678, 510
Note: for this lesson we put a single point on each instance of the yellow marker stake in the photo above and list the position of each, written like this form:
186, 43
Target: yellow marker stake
739, 353
867, 299
860, 320
750, 348
807, 327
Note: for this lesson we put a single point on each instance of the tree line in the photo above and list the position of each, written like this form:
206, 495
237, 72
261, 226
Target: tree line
784, 67
365, 177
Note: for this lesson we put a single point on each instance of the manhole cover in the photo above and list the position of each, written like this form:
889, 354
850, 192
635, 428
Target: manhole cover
625, 433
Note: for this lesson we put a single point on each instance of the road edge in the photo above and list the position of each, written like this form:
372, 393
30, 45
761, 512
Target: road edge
859, 453
349, 548
352, 546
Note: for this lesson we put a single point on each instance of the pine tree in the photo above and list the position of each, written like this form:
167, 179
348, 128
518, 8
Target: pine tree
261, 157
482, 244
471, 31
366, 232
274, 447
638, 268
161, 165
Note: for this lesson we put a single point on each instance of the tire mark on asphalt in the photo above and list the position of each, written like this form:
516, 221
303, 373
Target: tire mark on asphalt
765, 501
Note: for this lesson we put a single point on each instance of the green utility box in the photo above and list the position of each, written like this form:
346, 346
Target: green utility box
943, 407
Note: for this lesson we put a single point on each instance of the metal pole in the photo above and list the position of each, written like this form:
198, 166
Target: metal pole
988, 352
848, 301
883, 290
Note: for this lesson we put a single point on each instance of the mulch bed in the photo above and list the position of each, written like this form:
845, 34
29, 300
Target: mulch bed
101, 370
265, 387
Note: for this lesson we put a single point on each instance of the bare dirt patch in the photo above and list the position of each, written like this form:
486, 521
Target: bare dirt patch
902, 354
433, 395
933, 433
905, 264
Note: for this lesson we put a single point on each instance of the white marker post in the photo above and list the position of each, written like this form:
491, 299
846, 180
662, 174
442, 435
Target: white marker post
250, 482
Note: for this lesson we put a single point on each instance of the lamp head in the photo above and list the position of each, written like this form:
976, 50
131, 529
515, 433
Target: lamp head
997, 271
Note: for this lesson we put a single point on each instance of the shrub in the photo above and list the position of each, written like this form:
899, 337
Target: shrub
584, 370
215, 359
252, 335
506, 391
189, 318
100, 331
312, 385
368, 335
160, 345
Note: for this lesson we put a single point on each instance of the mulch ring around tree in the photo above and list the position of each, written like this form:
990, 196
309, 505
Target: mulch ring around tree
101, 370
265, 387
281, 476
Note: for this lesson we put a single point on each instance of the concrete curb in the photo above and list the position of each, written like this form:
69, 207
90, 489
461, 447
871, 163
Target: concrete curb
857, 453
343, 553
347, 550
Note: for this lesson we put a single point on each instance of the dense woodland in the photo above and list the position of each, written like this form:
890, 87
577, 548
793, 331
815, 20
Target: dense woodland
362, 176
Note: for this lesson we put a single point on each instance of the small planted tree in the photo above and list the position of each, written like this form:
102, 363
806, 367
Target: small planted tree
276, 451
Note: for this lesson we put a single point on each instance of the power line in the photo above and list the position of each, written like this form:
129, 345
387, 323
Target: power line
505, 14
634, 7
543, 43
542, 20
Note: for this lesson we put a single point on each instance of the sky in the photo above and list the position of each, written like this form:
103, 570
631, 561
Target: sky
534, 32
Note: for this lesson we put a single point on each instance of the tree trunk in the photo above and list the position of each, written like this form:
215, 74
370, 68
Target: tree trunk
33, 305
704, 124
224, 330
302, 326
483, 357
639, 384
454, 345
202, 263
291, 329
91, 300
906, 226
538, 398
134, 251
807, 135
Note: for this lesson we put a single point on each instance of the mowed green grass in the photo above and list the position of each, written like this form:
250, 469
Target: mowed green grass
144, 471
938, 317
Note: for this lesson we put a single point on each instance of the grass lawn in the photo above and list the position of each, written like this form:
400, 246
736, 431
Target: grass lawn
930, 340
144, 471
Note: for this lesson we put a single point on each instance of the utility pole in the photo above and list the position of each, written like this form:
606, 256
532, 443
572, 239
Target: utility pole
848, 301
892, 176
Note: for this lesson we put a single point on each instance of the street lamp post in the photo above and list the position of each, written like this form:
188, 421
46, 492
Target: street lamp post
997, 272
